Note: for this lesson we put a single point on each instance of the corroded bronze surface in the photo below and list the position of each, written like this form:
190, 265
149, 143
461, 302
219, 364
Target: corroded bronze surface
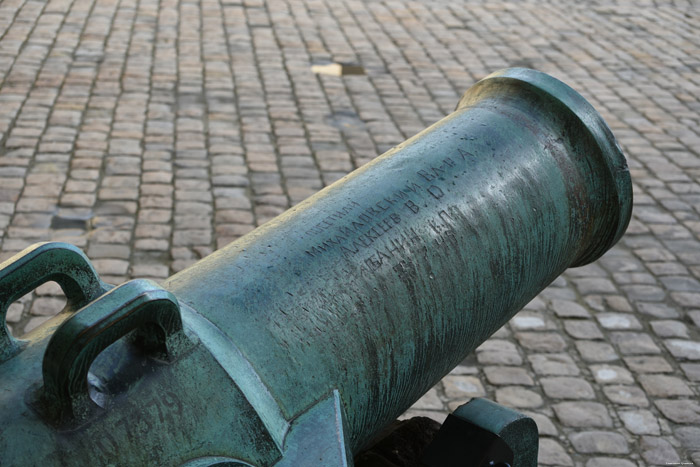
303, 339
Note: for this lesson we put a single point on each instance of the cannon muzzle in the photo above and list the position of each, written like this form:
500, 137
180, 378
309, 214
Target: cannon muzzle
299, 342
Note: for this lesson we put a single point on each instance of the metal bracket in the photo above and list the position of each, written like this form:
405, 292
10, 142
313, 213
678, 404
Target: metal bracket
484, 434
139, 305
40, 263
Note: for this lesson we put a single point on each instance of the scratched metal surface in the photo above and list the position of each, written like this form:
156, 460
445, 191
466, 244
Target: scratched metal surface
339, 314
384, 281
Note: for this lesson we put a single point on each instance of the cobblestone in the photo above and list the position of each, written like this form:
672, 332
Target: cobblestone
596, 351
541, 341
583, 414
640, 422
680, 411
664, 386
626, 395
658, 451
689, 437
607, 374
553, 364
552, 453
507, 375
609, 462
683, 349
516, 396
459, 386
152, 132
599, 442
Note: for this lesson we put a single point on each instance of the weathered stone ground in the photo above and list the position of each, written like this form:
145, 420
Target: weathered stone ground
152, 132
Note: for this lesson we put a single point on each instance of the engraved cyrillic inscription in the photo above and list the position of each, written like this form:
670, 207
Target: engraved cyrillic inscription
354, 229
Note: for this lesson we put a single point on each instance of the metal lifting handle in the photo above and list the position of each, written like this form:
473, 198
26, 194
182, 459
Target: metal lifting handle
136, 305
40, 263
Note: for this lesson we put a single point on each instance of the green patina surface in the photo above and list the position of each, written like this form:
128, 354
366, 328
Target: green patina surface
518, 431
322, 326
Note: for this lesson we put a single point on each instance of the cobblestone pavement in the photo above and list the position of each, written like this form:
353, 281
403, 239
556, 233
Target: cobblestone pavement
151, 132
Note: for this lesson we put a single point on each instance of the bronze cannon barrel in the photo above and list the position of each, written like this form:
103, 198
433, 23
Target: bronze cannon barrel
310, 334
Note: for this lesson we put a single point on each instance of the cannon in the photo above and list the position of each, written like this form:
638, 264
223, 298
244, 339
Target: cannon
296, 344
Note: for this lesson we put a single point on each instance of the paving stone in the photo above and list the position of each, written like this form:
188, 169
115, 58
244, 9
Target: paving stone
664, 386
618, 303
691, 370
191, 237
567, 388
588, 285
152, 245
681, 348
553, 364
153, 231
528, 320
618, 321
35, 322
552, 453
658, 310
14, 313
498, 352
609, 462
582, 414
50, 288
569, 309
634, 343
151, 270
658, 451
644, 293
648, 364
47, 306
464, 368
640, 422
694, 316
154, 215
463, 387
541, 341
507, 375
111, 266
670, 328
680, 411
429, 401
518, 397
611, 374
97, 250
689, 437
669, 268
582, 329
626, 395
599, 442
597, 351
686, 299
545, 427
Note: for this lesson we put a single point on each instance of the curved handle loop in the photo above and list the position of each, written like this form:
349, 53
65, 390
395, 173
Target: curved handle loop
139, 305
40, 263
